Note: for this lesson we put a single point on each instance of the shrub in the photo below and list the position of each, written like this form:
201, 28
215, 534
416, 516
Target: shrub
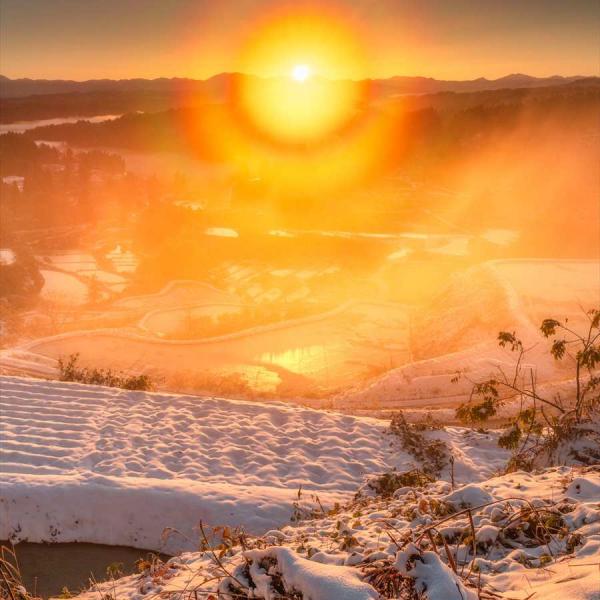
11, 584
432, 454
387, 483
69, 370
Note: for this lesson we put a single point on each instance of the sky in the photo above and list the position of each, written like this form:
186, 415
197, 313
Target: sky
446, 39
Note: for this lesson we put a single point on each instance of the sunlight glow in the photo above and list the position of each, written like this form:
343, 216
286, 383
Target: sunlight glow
296, 130
291, 46
301, 73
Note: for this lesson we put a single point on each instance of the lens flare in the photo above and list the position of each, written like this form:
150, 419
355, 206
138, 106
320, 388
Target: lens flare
298, 115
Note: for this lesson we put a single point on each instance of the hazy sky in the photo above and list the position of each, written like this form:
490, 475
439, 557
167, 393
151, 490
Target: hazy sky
83, 39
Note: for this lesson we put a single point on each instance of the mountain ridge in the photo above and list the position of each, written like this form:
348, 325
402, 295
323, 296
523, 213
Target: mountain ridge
399, 84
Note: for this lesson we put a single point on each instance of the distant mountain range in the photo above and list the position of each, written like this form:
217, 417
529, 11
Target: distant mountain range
427, 85
216, 86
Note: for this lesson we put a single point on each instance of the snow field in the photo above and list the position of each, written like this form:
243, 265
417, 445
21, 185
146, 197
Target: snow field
96, 464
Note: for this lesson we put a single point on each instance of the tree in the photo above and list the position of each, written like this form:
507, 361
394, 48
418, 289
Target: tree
541, 423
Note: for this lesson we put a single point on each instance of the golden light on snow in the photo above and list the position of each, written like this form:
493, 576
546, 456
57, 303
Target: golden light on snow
301, 73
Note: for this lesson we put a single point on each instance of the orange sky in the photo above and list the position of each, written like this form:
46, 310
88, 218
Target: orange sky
458, 39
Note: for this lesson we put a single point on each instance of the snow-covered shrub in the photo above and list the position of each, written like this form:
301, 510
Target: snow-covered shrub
387, 483
433, 455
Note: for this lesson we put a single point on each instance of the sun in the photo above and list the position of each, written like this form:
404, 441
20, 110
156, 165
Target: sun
302, 92
301, 73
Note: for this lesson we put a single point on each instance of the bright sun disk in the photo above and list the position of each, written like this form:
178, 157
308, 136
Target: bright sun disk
301, 72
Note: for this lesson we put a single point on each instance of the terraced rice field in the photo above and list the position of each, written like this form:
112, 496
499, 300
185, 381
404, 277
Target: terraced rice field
559, 288
329, 351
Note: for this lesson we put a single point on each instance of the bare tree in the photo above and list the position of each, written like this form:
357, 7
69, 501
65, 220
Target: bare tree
540, 419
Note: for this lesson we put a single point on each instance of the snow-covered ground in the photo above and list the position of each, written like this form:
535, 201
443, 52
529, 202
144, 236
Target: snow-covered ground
514, 537
97, 464
94, 464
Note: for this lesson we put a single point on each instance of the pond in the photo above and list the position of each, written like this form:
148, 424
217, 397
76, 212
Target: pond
48, 568
22, 126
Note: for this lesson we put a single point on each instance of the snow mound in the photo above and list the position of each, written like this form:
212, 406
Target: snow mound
469, 497
314, 580
584, 489
433, 580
